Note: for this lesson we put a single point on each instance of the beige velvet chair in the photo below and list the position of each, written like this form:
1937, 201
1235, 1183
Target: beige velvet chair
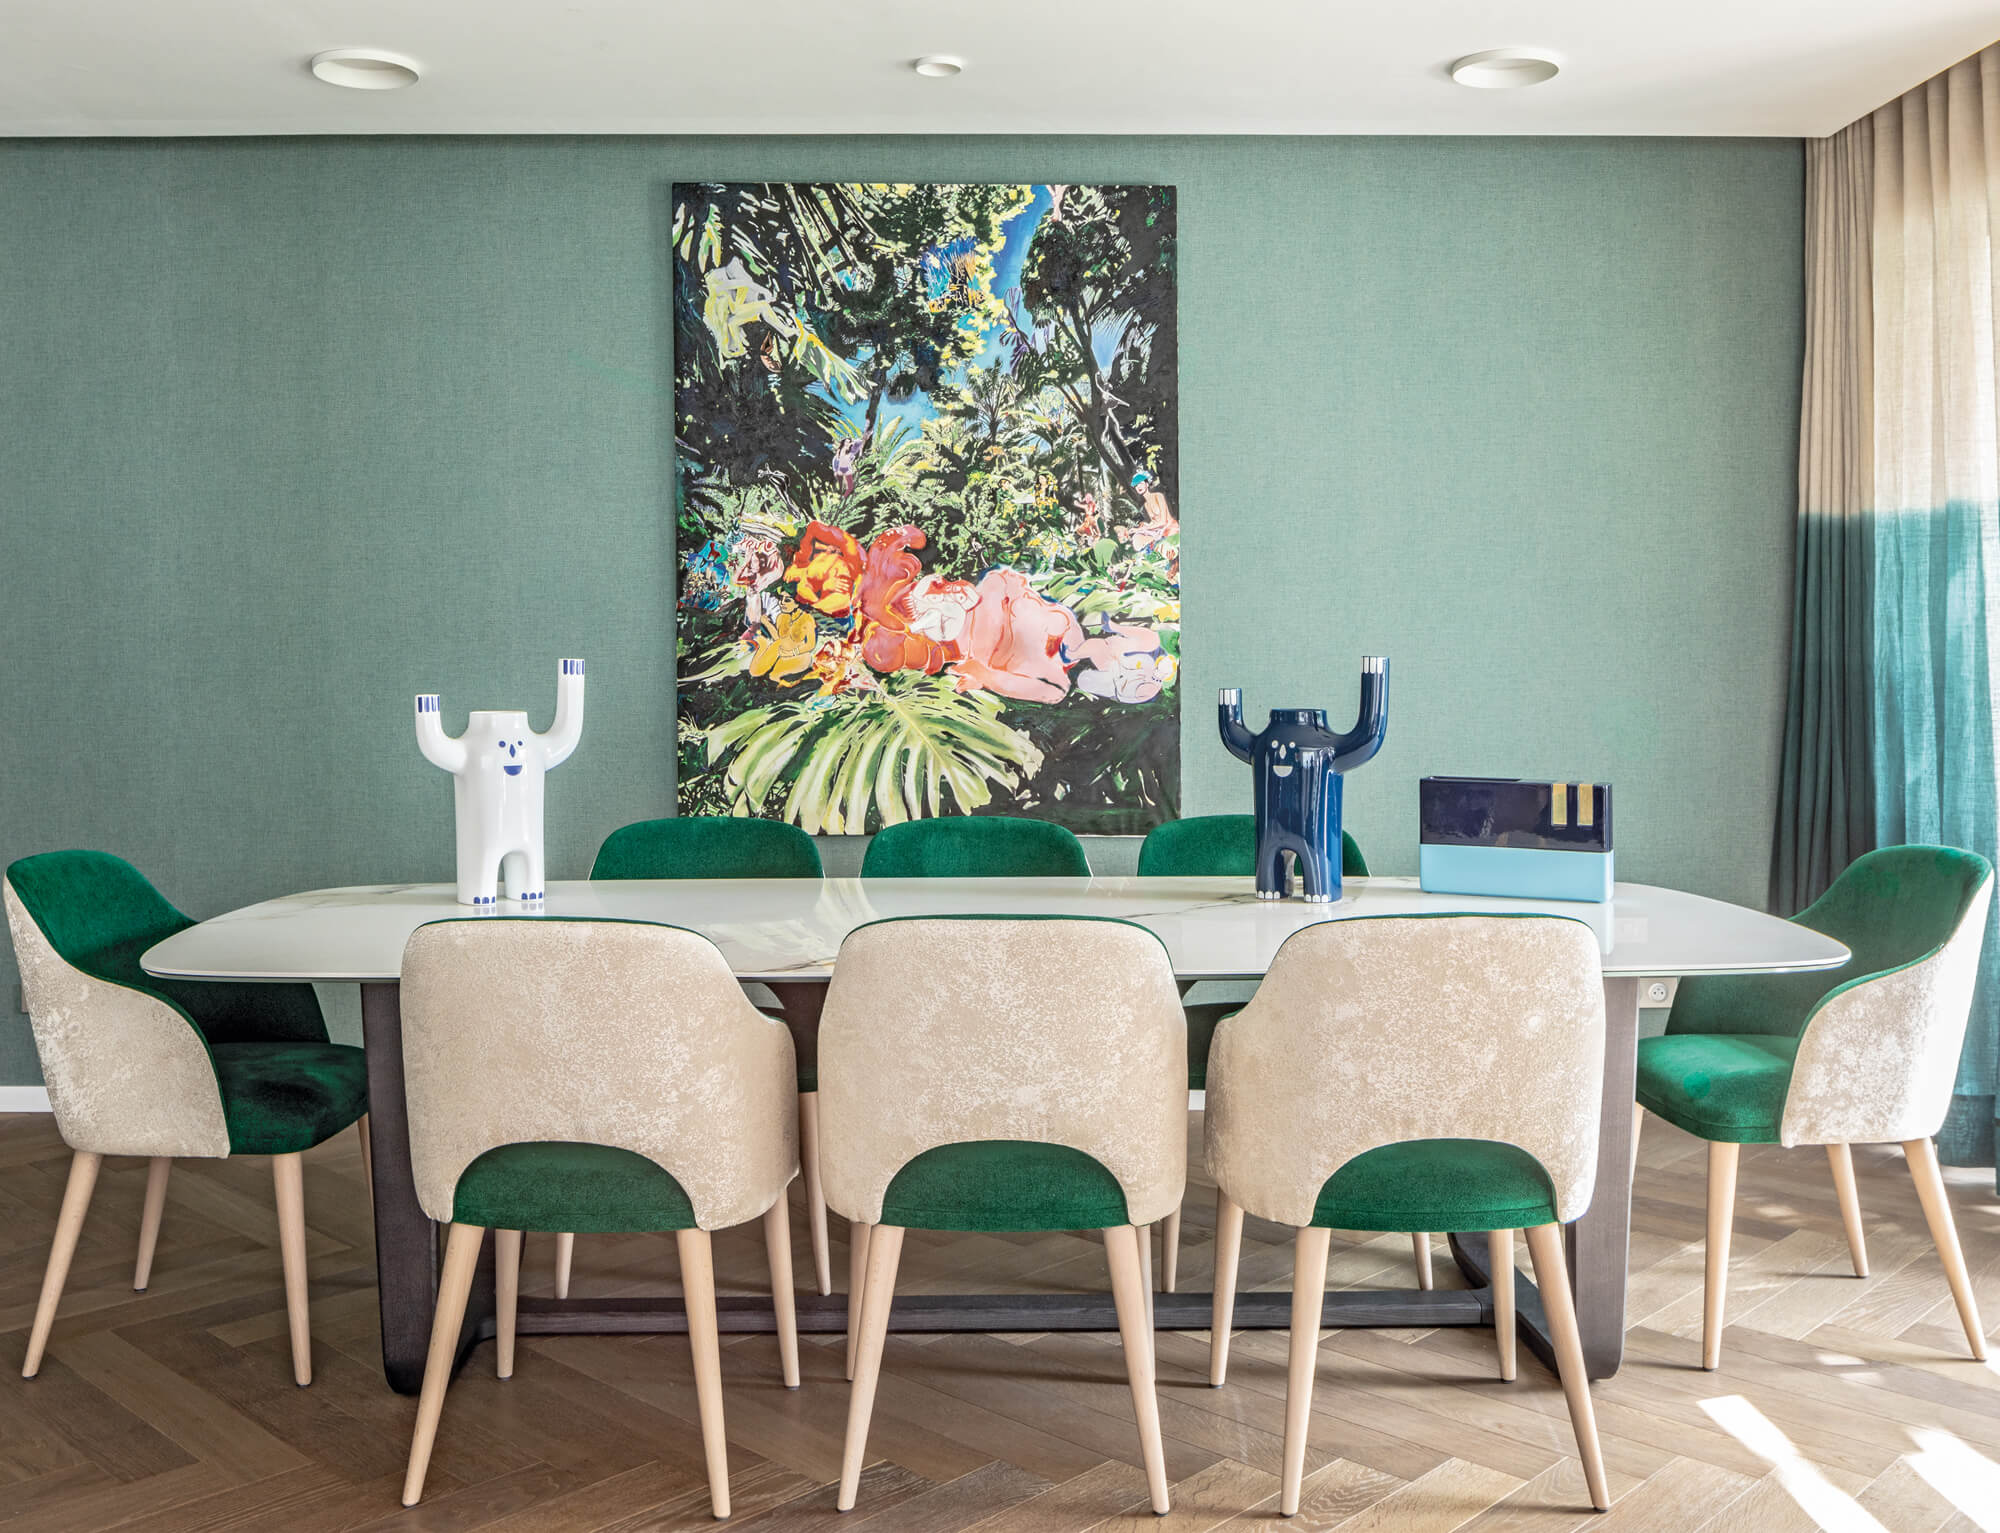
1003, 1074
596, 1076
1863, 1054
167, 1069
1402, 1073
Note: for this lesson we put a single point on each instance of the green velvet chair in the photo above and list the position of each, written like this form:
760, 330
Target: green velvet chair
975, 846
167, 1068
608, 1076
707, 846
1864, 1054
1222, 846
1474, 1112
1005, 1074
724, 846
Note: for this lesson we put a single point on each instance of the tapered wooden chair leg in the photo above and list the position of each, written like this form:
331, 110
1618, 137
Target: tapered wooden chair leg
1545, 1248
157, 1171
367, 1156
1308, 1303
815, 1194
565, 1260
857, 1286
506, 1297
1170, 1251
461, 1260
1638, 1123
784, 1303
885, 1250
1420, 1247
698, 1293
83, 1166
288, 1180
1841, 1158
1122, 1245
1146, 1269
1228, 1248
1922, 1156
1500, 1258
1722, 1160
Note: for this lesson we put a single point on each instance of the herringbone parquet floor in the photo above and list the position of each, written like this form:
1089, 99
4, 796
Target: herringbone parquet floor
1843, 1403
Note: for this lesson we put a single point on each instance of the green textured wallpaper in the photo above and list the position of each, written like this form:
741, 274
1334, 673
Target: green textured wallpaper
293, 429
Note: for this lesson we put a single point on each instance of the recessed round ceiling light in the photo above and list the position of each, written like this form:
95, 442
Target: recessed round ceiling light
364, 69
1504, 69
939, 66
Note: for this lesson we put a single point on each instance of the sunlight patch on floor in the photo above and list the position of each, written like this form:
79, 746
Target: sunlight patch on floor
1964, 1476
1823, 1501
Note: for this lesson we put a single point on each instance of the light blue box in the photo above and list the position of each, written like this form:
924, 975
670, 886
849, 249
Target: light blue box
1515, 872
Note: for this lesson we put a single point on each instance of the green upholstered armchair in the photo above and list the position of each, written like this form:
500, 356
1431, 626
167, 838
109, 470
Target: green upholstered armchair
166, 1068
1481, 1040
975, 846
1223, 846
724, 846
1006, 1074
592, 1075
1865, 1054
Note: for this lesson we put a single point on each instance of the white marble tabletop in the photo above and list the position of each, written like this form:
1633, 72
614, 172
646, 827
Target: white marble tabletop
780, 929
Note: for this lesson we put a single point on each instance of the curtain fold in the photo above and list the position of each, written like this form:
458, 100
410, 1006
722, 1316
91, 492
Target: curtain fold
1826, 796
1936, 504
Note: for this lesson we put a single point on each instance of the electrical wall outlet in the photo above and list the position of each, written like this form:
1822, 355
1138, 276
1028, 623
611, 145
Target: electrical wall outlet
1657, 992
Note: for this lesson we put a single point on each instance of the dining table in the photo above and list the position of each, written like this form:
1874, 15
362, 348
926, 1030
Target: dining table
786, 934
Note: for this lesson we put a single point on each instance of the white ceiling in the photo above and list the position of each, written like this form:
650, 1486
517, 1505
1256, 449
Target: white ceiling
1785, 67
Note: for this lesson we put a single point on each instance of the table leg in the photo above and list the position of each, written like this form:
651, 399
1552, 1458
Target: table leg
1599, 1244
800, 1002
408, 1257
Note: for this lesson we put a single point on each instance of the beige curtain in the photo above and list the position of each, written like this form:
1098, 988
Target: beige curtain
1936, 505
1826, 798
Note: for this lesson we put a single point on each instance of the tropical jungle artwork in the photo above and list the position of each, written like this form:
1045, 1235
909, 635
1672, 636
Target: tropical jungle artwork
927, 503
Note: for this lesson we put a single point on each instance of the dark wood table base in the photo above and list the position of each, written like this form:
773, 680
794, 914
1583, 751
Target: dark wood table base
408, 1252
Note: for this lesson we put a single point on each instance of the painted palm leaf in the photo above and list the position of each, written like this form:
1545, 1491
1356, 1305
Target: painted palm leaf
887, 755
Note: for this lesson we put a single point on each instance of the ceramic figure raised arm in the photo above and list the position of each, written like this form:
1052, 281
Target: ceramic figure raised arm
496, 768
1297, 763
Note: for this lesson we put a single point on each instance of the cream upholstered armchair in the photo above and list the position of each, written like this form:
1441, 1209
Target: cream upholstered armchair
1865, 1054
596, 1076
1003, 1074
1403, 1073
167, 1069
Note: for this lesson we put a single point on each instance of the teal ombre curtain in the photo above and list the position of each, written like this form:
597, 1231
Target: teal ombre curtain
1936, 522
1826, 794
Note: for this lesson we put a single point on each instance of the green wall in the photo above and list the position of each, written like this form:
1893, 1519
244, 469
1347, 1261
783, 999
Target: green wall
293, 429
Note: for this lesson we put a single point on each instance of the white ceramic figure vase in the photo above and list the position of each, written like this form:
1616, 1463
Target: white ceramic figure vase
496, 768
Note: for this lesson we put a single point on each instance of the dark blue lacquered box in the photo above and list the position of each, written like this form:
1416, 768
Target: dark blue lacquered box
1509, 836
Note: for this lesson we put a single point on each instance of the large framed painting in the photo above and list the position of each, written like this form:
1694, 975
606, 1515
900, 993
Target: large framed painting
927, 503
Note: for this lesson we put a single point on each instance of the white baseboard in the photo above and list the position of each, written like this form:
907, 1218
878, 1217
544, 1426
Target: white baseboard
24, 1099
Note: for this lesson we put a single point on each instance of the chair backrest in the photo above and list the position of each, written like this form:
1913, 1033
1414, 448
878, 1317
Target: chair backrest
975, 846
1219, 846
127, 1069
1381, 1030
1879, 1052
707, 846
619, 1033
948, 1030
1891, 907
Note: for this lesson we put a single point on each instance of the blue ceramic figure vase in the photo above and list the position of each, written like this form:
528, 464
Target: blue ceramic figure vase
1298, 763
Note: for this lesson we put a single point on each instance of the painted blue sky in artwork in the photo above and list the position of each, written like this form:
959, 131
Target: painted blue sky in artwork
1020, 234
